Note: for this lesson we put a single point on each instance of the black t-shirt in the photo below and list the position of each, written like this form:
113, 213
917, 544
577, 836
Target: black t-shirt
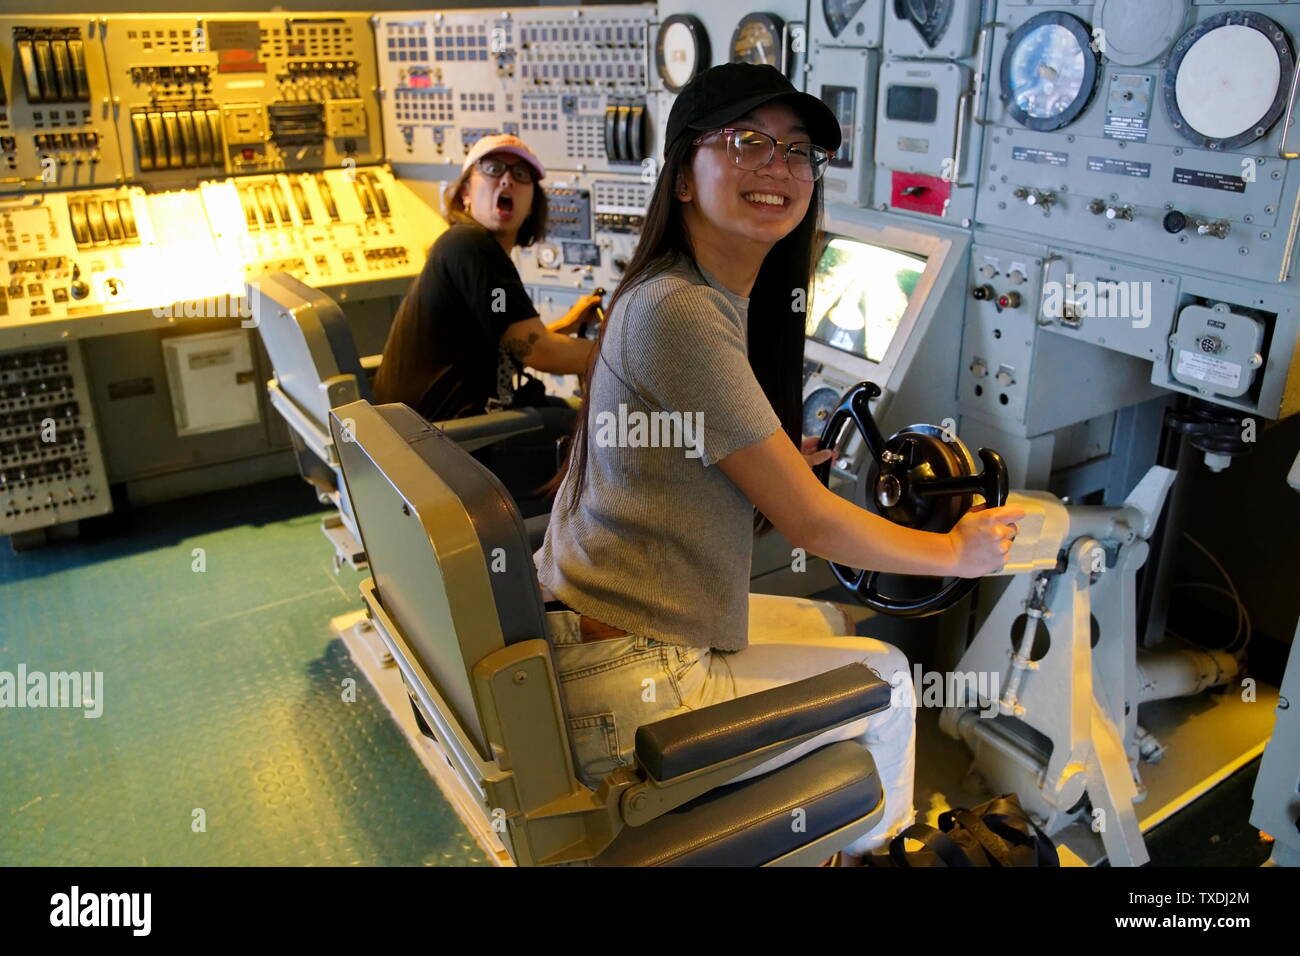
443, 349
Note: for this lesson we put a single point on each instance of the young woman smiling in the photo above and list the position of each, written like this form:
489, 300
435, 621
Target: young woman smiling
649, 549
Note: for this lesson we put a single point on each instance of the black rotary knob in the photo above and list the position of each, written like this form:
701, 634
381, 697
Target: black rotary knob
1175, 222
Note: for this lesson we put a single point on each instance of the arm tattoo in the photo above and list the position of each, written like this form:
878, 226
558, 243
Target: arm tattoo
520, 348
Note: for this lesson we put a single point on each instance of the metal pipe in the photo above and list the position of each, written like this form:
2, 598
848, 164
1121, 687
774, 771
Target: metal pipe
1181, 673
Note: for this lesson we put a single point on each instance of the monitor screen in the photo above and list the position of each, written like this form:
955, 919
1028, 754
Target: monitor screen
860, 293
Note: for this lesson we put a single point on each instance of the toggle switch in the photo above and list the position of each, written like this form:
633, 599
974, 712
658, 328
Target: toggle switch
1218, 229
1041, 198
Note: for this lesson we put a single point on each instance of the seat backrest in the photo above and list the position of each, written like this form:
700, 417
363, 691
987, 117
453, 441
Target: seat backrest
308, 340
447, 548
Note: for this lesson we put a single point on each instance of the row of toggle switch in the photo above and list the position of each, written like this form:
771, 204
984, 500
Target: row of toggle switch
178, 139
1173, 222
267, 199
99, 221
53, 65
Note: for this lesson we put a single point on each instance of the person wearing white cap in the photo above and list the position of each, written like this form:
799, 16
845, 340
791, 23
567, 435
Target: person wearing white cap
467, 327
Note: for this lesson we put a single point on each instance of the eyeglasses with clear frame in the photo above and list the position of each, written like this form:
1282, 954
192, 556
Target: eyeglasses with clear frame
495, 168
751, 149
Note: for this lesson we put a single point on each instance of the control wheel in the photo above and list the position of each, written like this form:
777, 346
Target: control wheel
921, 478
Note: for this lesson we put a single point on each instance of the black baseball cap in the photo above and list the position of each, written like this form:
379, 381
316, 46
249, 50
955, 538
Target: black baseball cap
724, 93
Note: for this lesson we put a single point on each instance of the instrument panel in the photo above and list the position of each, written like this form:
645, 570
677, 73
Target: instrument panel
91, 101
571, 84
230, 94
1176, 150
84, 263
51, 469
56, 128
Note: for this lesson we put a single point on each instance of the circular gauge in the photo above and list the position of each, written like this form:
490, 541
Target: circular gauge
681, 51
1049, 71
1226, 83
838, 13
817, 409
930, 17
1133, 32
758, 39
548, 257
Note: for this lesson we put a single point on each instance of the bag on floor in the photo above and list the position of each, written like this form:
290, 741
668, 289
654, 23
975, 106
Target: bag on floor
995, 833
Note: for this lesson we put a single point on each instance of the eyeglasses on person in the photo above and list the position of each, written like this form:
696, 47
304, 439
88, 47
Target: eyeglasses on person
494, 168
751, 149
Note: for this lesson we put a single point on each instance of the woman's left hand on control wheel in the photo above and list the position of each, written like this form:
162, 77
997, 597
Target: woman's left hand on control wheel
808, 447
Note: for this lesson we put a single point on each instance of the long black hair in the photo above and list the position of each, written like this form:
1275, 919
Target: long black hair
778, 302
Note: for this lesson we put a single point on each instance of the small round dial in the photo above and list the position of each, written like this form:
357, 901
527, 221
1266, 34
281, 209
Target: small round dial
681, 51
759, 39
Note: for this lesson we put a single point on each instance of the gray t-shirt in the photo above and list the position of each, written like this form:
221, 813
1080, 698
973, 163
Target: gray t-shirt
661, 541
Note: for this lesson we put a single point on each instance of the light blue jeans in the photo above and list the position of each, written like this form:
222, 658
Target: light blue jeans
611, 687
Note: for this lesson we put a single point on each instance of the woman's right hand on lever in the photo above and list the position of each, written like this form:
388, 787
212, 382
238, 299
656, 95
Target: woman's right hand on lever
981, 539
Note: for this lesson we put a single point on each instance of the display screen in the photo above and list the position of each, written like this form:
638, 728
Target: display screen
860, 294
912, 104
581, 254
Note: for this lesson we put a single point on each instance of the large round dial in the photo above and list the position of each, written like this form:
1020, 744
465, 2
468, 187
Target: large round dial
1227, 79
1049, 71
759, 39
681, 51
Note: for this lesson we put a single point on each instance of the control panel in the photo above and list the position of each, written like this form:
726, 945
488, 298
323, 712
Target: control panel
932, 82
325, 228
51, 469
1017, 373
56, 121
87, 263
570, 83
1169, 142
214, 94
1143, 151
593, 225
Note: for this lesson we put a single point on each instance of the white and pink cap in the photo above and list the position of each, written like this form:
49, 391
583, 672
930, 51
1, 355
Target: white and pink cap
504, 143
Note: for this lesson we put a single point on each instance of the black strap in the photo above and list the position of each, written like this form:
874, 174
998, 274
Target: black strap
1002, 827
1005, 816
937, 842
994, 845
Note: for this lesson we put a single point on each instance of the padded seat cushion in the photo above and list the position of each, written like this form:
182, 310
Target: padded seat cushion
751, 823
